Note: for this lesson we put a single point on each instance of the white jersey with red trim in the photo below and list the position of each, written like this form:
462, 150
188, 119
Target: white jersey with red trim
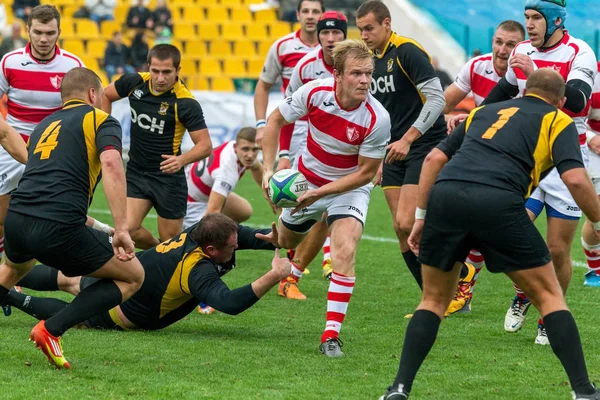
32, 87
479, 76
571, 57
594, 114
312, 66
336, 137
219, 173
282, 57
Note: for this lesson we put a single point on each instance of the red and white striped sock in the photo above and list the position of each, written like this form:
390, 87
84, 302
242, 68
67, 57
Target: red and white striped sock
1, 248
338, 297
295, 274
520, 293
476, 259
593, 261
326, 249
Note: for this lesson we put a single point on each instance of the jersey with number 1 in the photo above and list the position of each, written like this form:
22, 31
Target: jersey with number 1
571, 58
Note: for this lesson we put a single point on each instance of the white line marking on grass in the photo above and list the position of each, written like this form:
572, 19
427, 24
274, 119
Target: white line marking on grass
576, 263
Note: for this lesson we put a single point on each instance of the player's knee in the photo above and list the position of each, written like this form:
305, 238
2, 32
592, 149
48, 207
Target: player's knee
406, 225
561, 254
245, 213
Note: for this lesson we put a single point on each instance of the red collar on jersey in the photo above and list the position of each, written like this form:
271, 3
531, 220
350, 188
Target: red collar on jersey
28, 51
327, 66
564, 40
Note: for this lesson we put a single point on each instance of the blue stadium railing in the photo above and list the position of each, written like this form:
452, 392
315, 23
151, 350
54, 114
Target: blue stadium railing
472, 22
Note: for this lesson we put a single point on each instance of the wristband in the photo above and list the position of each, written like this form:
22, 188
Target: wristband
596, 225
284, 154
261, 123
102, 227
420, 213
589, 135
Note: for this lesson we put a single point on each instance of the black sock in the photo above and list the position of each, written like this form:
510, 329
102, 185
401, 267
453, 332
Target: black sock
420, 336
42, 278
566, 344
94, 299
37, 307
414, 266
3, 293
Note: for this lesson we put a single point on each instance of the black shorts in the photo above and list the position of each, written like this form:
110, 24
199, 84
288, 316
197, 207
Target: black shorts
74, 250
167, 192
407, 171
102, 321
462, 216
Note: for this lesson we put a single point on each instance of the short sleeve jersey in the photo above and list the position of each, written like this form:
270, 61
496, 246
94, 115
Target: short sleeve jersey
282, 57
158, 120
516, 153
64, 167
571, 57
336, 137
478, 76
219, 173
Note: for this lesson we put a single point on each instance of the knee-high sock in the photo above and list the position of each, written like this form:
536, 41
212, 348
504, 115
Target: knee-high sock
327, 249
94, 299
476, 259
519, 292
338, 297
593, 261
420, 336
37, 307
42, 278
566, 344
414, 266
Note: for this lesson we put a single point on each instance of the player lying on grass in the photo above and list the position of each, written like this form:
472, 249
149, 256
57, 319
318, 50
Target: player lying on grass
180, 273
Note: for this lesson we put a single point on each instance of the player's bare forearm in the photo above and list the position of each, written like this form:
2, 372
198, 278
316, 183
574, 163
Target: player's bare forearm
271, 139
115, 187
110, 94
263, 284
216, 202
412, 134
202, 147
453, 96
432, 166
12, 142
367, 168
261, 99
583, 192
257, 172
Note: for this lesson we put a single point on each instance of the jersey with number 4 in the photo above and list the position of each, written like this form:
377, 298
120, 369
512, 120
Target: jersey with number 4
63, 166
220, 173
572, 58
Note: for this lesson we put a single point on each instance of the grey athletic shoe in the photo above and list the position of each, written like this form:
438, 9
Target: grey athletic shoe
332, 347
595, 396
395, 393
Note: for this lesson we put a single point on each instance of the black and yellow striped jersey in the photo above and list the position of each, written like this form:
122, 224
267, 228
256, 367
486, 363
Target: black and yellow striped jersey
512, 145
64, 167
178, 275
399, 69
158, 120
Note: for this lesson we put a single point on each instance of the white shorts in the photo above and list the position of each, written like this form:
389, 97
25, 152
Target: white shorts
553, 191
11, 172
298, 140
195, 211
354, 203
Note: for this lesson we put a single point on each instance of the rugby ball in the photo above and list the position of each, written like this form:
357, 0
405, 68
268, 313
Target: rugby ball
286, 186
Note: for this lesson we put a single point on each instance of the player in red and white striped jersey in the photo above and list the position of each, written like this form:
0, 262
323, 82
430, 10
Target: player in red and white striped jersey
479, 76
31, 78
589, 241
348, 132
318, 64
482, 73
550, 46
283, 56
211, 181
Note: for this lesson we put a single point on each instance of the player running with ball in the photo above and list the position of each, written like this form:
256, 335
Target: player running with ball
348, 132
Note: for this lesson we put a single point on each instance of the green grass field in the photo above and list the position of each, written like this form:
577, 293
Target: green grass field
271, 351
